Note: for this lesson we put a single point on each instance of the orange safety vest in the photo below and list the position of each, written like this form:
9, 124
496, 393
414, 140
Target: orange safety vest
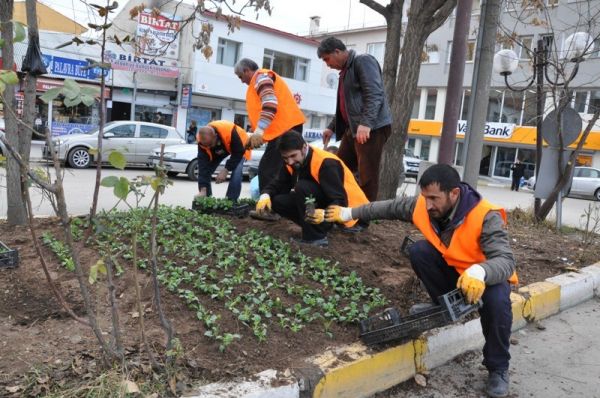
225, 129
464, 249
288, 113
356, 197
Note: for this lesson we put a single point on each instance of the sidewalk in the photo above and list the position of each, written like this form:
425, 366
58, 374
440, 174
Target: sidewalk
559, 357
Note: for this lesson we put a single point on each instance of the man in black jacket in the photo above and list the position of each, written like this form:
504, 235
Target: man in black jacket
309, 173
362, 117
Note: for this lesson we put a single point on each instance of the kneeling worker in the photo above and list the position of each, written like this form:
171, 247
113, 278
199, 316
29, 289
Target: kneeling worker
309, 173
466, 246
216, 141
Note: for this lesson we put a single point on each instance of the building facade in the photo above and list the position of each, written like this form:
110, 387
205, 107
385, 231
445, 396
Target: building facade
511, 116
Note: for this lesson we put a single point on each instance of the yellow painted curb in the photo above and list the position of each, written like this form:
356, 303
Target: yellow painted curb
370, 374
542, 299
518, 304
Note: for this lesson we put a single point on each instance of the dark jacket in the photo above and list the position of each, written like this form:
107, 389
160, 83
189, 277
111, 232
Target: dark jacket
518, 170
331, 176
364, 95
500, 262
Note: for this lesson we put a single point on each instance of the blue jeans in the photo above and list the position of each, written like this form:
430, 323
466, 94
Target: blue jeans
496, 313
235, 181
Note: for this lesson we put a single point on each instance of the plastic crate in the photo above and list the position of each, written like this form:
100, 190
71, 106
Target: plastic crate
9, 258
406, 244
390, 326
240, 211
456, 305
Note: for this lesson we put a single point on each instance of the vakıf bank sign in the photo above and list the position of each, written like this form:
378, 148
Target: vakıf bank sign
492, 130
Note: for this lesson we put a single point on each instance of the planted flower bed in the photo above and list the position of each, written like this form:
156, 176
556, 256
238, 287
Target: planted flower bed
224, 275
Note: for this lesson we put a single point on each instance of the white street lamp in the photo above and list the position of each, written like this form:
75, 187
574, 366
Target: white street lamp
506, 62
578, 45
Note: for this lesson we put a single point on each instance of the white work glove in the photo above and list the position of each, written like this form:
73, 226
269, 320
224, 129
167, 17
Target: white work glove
338, 214
256, 139
472, 283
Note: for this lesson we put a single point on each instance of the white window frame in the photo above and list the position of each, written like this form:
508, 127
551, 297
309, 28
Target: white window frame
222, 44
298, 62
521, 50
430, 53
372, 47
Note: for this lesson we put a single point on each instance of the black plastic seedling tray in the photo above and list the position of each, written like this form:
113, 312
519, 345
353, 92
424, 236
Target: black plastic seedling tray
9, 258
390, 326
240, 210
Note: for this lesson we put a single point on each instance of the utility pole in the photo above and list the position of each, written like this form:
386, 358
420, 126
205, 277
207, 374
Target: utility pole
480, 90
455, 81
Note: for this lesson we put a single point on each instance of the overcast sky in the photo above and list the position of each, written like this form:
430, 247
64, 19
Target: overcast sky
288, 15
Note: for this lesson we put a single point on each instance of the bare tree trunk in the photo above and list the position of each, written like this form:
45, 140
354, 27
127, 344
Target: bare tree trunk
393, 16
16, 213
30, 83
424, 18
100, 131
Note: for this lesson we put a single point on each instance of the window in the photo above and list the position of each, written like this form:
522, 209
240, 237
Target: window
594, 102
512, 107
153, 132
377, 50
524, 47
551, 3
416, 105
464, 113
595, 52
494, 106
315, 122
588, 173
228, 52
123, 131
470, 57
549, 42
430, 106
580, 101
430, 54
286, 65
530, 108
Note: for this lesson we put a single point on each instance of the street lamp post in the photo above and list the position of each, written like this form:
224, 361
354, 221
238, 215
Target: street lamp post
506, 62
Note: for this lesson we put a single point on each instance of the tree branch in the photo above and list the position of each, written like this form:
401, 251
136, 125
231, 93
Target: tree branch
23, 166
375, 6
441, 15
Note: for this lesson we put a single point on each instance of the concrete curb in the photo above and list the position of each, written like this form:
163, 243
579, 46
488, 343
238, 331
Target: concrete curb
356, 371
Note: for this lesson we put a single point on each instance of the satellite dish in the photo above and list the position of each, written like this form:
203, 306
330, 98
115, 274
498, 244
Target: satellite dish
332, 80
571, 127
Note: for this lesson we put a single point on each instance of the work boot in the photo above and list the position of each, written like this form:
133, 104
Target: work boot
497, 384
317, 242
420, 307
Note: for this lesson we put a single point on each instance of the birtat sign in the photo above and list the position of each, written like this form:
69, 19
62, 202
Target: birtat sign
158, 34
492, 130
147, 65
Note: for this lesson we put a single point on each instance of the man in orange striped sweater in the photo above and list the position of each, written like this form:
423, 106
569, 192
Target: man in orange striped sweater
272, 111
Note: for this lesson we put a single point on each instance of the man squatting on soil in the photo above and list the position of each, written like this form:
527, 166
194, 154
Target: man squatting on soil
309, 172
465, 246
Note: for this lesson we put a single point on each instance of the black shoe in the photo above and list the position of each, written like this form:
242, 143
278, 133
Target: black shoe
317, 242
356, 228
497, 384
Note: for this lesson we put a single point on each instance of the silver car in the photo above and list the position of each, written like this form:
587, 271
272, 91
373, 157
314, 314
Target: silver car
585, 183
135, 140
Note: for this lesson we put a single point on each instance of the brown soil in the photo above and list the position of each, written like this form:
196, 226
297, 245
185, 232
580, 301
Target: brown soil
35, 332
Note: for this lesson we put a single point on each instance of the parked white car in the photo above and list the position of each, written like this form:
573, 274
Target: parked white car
134, 139
411, 164
184, 159
585, 183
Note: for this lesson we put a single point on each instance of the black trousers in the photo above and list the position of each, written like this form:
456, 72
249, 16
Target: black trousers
516, 182
495, 314
271, 162
291, 205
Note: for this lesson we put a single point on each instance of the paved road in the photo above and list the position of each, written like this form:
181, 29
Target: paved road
563, 360
79, 185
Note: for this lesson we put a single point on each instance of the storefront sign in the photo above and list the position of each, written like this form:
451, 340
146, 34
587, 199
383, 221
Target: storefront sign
148, 65
157, 34
42, 85
71, 67
492, 130
186, 96
59, 128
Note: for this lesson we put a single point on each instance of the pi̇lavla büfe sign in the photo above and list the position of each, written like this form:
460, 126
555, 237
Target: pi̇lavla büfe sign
491, 130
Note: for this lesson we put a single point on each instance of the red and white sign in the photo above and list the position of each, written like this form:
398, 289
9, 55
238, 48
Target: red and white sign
42, 85
148, 65
158, 35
